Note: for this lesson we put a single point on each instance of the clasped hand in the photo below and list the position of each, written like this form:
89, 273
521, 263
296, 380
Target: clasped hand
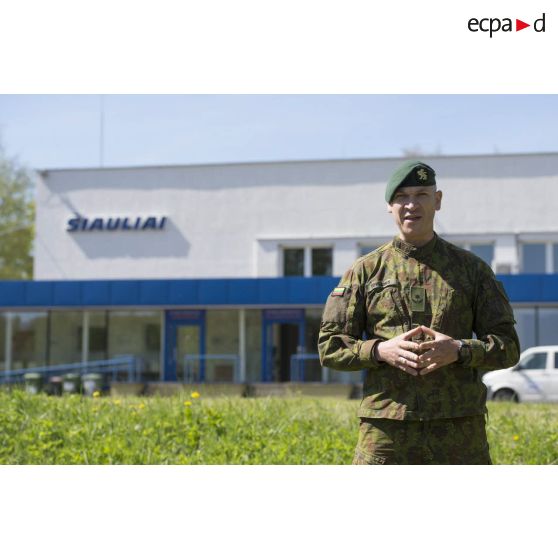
418, 359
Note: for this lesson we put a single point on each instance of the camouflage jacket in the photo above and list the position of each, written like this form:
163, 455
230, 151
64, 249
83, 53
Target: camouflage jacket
458, 294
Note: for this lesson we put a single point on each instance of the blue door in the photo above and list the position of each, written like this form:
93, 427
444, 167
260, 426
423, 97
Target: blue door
283, 335
184, 346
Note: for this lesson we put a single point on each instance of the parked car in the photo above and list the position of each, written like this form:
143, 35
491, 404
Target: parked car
533, 378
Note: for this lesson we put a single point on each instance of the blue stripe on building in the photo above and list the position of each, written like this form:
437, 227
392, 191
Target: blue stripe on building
218, 292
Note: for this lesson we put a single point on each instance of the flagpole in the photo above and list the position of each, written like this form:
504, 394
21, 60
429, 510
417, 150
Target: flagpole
101, 129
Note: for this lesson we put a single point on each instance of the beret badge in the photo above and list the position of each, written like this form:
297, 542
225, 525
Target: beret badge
422, 175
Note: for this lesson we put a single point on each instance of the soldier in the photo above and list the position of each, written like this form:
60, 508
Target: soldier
419, 299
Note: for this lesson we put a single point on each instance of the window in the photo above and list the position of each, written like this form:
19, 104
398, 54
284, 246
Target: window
321, 261
547, 326
222, 338
539, 257
3, 363
152, 334
65, 335
533, 258
98, 345
556, 360
534, 361
97, 338
29, 338
484, 251
293, 261
253, 345
526, 327
138, 333
307, 261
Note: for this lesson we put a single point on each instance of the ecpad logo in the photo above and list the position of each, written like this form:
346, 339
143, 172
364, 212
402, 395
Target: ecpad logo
493, 25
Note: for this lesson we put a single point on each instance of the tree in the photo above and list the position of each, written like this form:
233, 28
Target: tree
17, 219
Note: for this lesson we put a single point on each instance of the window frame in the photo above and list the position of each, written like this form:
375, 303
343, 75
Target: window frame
549, 263
283, 263
307, 258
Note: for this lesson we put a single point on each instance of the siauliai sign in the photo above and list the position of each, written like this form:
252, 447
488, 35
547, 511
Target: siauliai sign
89, 224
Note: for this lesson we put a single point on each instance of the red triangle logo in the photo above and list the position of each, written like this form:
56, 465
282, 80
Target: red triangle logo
519, 25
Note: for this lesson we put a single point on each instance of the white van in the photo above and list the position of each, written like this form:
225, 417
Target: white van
533, 378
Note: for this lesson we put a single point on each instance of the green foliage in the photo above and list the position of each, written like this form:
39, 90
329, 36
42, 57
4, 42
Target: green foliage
17, 217
38, 429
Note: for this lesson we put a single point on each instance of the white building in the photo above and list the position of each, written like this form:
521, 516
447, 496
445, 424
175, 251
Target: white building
170, 263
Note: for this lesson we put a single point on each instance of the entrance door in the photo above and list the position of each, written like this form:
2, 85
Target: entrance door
188, 363
184, 346
282, 337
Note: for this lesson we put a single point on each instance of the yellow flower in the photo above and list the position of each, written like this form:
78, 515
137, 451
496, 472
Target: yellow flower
141, 406
194, 395
515, 437
187, 403
117, 401
96, 394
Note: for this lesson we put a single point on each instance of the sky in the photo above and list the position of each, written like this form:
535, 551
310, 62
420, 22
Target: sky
64, 131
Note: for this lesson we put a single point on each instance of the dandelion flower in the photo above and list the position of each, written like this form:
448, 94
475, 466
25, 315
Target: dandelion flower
515, 437
96, 394
141, 406
194, 395
187, 403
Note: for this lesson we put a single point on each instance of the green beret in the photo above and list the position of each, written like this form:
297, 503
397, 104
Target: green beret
410, 173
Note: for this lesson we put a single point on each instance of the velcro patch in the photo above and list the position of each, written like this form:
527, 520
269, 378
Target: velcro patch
338, 291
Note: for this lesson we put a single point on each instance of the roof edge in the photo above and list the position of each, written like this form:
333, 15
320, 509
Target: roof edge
296, 161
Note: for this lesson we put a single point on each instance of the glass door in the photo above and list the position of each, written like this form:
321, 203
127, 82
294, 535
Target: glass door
282, 345
283, 337
184, 346
188, 359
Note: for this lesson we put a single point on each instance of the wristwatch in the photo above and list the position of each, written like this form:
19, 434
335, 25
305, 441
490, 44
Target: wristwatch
463, 353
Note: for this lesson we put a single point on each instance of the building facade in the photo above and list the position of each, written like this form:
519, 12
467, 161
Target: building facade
220, 272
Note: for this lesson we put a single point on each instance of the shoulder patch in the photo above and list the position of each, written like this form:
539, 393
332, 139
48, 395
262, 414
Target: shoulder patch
338, 291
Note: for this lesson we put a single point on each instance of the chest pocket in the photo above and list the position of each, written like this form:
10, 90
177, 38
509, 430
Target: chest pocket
386, 311
453, 313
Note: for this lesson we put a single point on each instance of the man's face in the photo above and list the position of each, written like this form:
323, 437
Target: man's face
413, 209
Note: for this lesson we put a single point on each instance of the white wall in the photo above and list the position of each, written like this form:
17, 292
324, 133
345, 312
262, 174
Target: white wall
231, 220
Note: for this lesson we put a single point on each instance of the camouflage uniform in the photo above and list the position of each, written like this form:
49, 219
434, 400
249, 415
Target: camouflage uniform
456, 441
458, 295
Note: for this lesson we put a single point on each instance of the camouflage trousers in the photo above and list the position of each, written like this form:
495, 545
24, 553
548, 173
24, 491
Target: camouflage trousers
454, 441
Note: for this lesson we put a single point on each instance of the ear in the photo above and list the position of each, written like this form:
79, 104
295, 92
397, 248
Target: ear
438, 195
388, 206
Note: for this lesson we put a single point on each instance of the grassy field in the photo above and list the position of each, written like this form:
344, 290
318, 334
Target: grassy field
37, 429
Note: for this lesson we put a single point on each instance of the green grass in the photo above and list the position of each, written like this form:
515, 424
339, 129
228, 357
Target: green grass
37, 429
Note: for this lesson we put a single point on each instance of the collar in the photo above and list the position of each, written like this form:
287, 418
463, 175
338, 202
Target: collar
416, 252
